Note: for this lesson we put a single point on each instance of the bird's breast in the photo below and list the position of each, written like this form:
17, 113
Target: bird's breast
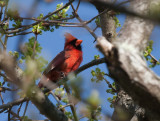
73, 61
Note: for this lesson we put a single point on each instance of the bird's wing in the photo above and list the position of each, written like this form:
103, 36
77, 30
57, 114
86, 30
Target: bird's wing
77, 63
56, 62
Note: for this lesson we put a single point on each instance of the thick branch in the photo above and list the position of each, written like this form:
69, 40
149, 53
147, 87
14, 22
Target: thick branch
123, 104
46, 107
90, 64
107, 4
107, 21
82, 68
125, 63
7, 64
129, 69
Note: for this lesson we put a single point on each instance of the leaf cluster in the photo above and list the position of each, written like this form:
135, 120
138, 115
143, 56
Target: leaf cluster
95, 114
97, 21
98, 75
61, 14
29, 51
149, 57
110, 90
61, 94
116, 22
14, 15
112, 100
37, 29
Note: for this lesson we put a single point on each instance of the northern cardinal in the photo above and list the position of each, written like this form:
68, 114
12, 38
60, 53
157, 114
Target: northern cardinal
66, 61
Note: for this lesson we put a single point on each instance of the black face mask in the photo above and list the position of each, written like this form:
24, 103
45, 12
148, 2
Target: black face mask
73, 42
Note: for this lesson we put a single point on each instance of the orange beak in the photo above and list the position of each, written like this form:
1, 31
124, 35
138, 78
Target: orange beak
78, 42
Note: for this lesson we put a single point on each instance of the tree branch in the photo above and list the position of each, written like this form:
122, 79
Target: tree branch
48, 15
7, 64
125, 63
109, 5
10, 104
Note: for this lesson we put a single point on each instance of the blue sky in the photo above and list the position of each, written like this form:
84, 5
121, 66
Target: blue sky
53, 42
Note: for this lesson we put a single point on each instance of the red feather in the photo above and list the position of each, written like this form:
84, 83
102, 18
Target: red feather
66, 61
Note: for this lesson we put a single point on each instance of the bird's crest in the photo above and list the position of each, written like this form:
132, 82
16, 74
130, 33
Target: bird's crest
69, 37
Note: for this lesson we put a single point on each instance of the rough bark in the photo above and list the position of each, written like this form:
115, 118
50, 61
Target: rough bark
124, 104
126, 64
107, 21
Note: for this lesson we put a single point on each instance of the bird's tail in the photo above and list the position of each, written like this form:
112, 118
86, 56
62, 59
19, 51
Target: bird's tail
42, 82
49, 79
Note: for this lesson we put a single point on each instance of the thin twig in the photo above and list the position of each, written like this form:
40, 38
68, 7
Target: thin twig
23, 33
85, 26
3, 110
45, 21
67, 4
81, 21
109, 85
34, 46
1, 13
67, 18
71, 104
9, 112
5, 11
25, 110
3, 89
10, 104
15, 115
96, 16
1, 98
71, 25
3, 75
29, 26
4, 47
55, 97
19, 108
95, 29
155, 60
64, 106
6, 37
49, 21
78, 5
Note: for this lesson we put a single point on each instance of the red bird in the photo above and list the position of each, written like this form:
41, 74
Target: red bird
66, 61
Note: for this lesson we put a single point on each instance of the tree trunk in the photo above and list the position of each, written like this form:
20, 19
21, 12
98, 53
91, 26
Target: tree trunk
127, 67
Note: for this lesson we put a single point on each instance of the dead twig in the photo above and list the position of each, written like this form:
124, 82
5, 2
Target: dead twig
25, 110
55, 97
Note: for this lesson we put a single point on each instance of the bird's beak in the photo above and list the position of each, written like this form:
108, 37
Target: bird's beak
78, 42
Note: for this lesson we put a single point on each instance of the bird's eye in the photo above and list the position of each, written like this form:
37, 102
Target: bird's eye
73, 42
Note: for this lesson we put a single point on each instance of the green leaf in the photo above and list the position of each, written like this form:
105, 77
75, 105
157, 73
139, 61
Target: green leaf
116, 22
93, 73
96, 57
149, 50
97, 21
